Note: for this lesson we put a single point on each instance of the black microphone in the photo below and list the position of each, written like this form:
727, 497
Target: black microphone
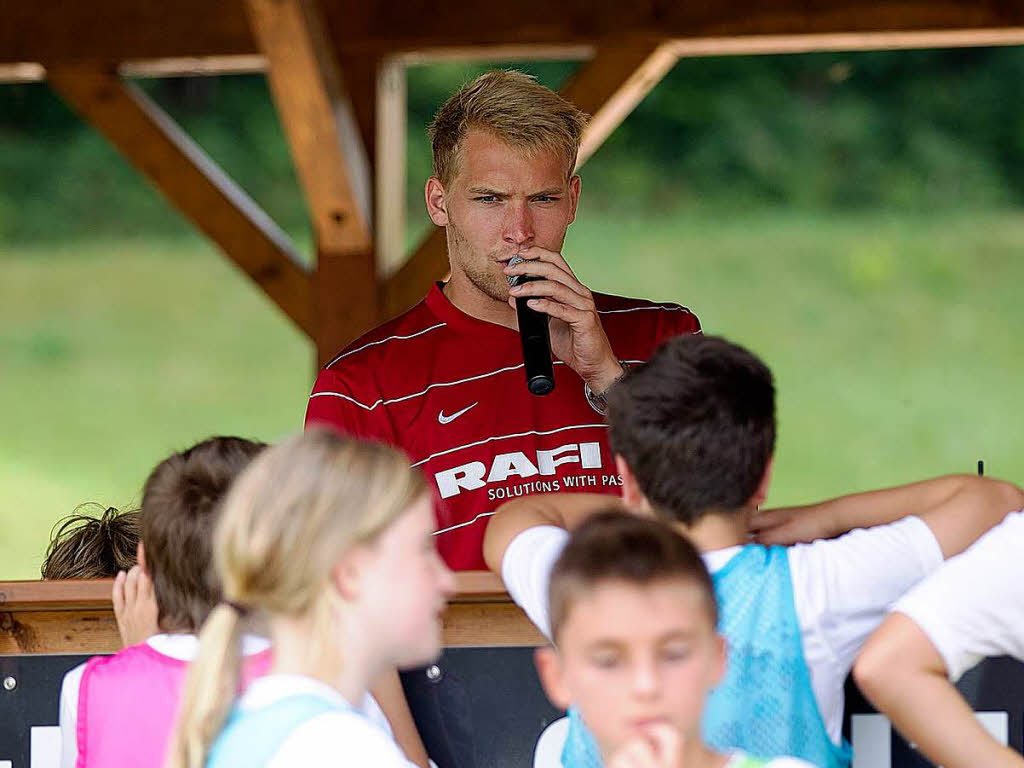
535, 337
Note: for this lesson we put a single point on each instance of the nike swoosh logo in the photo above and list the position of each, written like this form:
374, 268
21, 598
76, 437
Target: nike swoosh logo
442, 419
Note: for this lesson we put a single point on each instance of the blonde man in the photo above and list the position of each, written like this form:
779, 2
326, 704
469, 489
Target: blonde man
444, 381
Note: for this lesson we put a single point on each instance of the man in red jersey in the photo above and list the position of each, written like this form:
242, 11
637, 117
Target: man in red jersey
445, 380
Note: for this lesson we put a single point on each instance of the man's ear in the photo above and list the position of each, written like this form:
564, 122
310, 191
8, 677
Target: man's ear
575, 184
437, 206
552, 677
140, 556
632, 496
762, 488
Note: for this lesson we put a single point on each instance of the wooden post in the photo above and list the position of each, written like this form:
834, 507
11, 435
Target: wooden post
392, 104
608, 88
191, 181
332, 163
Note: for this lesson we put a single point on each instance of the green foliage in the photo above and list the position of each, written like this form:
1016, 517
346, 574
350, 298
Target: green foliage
907, 130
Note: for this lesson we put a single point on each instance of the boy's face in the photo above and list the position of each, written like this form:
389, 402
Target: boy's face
631, 656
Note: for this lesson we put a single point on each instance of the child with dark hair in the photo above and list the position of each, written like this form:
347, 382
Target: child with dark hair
635, 646
137, 690
86, 546
693, 433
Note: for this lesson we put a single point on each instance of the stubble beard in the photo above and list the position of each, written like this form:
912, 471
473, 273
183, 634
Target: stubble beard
479, 268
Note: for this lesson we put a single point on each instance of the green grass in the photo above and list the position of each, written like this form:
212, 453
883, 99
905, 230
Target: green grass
894, 341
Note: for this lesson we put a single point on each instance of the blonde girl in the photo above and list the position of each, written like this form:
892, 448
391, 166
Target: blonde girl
327, 541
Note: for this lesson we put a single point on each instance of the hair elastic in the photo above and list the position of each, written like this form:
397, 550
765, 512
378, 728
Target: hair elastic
241, 610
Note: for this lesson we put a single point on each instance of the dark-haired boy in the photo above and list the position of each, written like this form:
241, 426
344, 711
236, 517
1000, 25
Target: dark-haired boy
636, 650
693, 431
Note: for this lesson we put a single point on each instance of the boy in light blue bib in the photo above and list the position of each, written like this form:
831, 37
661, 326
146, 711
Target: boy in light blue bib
693, 433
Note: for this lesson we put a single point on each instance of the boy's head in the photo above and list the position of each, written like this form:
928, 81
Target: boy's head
179, 505
633, 621
695, 427
88, 547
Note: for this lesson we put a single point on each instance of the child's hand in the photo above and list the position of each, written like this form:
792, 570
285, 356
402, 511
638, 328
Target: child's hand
791, 525
660, 746
135, 606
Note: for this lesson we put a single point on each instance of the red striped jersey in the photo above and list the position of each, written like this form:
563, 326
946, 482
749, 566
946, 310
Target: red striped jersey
450, 391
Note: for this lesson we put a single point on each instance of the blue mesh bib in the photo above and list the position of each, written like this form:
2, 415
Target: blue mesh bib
250, 739
765, 704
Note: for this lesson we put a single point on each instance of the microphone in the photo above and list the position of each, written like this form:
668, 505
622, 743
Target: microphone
535, 337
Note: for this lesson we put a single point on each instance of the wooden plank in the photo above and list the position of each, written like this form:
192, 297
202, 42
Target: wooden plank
148, 138
608, 88
77, 616
489, 624
59, 632
118, 30
55, 595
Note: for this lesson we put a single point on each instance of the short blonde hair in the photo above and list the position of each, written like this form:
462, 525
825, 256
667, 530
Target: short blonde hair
513, 107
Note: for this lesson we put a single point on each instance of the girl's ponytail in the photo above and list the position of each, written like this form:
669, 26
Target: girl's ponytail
210, 689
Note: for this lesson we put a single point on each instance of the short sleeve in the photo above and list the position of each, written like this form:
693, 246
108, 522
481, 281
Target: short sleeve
842, 589
526, 570
973, 606
69, 716
332, 403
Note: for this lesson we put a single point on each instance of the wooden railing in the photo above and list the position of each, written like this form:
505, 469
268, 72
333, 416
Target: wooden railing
78, 616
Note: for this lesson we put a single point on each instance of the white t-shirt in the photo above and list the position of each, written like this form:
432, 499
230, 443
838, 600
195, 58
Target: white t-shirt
319, 740
183, 647
841, 587
973, 606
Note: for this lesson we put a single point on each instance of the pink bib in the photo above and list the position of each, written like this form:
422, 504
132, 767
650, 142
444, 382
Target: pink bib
127, 704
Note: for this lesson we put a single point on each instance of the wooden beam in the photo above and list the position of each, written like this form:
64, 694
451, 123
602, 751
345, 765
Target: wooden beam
608, 88
318, 120
330, 157
119, 30
77, 616
149, 139
611, 85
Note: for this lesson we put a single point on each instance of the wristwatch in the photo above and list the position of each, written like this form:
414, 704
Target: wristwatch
599, 400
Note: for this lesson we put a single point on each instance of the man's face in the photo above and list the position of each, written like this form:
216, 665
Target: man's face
500, 202
631, 656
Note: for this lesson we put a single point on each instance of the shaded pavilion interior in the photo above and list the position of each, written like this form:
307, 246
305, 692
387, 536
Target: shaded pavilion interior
336, 74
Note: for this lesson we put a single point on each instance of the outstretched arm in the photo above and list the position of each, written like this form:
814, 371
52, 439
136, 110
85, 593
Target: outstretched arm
902, 674
564, 510
957, 508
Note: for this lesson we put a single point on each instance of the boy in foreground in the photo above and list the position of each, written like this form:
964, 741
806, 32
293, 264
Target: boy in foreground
633, 617
693, 431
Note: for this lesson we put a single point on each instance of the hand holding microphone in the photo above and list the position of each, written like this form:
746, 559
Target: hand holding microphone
547, 286
535, 337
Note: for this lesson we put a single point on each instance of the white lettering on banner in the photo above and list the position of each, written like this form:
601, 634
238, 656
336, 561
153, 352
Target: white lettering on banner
871, 737
470, 477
